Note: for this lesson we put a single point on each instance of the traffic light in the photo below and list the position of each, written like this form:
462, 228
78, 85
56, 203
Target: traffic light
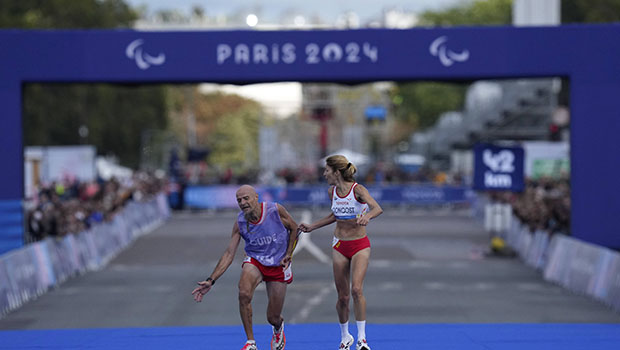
555, 132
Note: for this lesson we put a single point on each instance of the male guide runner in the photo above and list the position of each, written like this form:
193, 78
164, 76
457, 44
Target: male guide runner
269, 233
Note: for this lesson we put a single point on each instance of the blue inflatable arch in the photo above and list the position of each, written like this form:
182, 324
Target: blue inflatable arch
588, 55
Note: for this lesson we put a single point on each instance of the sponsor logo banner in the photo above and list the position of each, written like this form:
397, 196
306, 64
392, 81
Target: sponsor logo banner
221, 197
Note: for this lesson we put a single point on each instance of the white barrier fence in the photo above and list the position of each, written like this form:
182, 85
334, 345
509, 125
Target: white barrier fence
30, 271
579, 266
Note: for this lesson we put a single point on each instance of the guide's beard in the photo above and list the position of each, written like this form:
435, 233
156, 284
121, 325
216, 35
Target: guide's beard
249, 216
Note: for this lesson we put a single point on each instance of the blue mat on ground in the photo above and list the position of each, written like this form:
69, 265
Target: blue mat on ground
327, 336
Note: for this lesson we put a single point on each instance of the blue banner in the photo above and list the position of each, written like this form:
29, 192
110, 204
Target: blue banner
584, 54
11, 225
223, 197
498, 168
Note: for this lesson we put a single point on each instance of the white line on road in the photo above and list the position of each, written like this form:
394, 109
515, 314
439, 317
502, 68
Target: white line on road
313, 302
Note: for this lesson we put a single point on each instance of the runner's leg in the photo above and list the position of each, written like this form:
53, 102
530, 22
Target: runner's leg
249, 280
359, 265
342, 267
276, 291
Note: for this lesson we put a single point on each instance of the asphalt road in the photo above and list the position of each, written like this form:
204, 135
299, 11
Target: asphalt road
426, 267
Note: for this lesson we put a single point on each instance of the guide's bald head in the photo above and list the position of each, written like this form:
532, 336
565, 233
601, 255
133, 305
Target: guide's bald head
246, 190
247, 198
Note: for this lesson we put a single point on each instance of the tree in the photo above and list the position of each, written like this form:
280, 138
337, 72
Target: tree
415, 108
114, 115
479, 12
418, 105
208, 109
234, 141
590, 11
226, 124
65, 14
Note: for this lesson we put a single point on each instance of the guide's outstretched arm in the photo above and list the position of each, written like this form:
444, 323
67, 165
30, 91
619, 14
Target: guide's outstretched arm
227, 258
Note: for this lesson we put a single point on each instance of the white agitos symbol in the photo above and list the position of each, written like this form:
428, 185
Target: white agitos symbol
446, 56
143, 60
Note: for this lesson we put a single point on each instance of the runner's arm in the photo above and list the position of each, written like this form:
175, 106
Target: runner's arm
222, 265
329, 219
291, 226
375, 209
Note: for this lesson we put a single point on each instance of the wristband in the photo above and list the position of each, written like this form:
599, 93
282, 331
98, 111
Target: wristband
209, 279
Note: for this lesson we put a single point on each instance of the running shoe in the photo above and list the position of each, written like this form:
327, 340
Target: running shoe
249, 346
362, 345
278, 340
346, 344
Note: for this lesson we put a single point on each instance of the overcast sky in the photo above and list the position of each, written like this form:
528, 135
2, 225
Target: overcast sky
328, 10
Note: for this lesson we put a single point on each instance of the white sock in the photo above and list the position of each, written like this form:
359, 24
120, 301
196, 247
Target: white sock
361, 330
276, 331
344, 330
251, 341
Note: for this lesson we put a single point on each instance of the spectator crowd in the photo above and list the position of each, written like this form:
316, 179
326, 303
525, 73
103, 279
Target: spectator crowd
72, 206
380, 173
545, 205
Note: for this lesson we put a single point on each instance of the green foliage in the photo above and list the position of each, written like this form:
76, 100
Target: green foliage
234, 142
65, 14
479, 12
499, 12
590, 11
419, 104
208, 109
115, 116
427, 100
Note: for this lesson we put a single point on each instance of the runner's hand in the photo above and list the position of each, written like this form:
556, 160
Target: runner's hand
201, 290
304, 228
363, 220
286, 261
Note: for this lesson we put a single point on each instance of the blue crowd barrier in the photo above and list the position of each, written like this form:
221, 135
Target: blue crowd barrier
607, 287
11, 225
223, 197
27, 272
576, 265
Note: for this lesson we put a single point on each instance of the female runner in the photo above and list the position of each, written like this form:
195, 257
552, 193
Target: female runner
352, 209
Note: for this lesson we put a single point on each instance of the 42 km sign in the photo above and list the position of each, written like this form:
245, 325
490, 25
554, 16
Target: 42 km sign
498, 168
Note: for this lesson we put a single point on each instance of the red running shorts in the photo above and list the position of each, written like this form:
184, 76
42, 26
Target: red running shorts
271, 273
349, 248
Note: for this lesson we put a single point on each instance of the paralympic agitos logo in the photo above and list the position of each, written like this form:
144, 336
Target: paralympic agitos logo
446, 56
135, 51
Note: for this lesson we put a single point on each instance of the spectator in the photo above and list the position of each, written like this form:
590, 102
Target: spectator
67, 207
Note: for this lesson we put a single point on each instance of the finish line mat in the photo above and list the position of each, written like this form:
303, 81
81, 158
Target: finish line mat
327, 336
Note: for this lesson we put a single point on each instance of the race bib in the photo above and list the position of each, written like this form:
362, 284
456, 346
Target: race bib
288, 272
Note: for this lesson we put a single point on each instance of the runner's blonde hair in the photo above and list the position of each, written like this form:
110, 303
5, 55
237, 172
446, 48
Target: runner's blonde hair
342, 165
